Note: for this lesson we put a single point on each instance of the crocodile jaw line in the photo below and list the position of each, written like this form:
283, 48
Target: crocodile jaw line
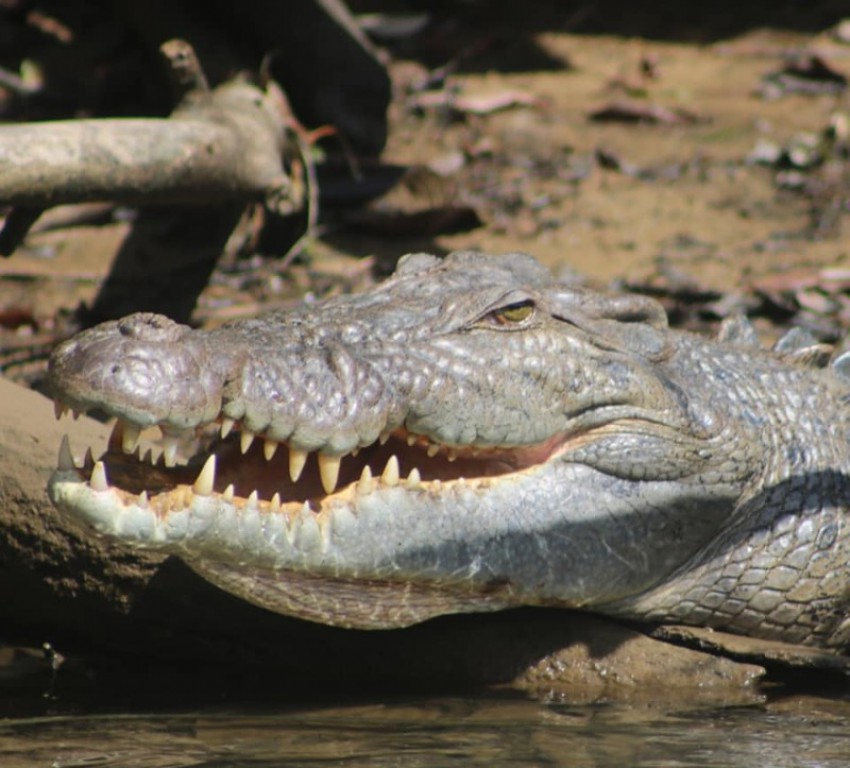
314, 544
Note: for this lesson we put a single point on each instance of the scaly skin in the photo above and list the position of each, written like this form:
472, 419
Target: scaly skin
526, 443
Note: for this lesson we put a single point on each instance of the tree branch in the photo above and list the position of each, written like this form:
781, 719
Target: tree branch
228, 144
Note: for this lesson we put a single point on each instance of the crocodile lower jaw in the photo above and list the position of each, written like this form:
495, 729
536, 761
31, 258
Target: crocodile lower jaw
264, 526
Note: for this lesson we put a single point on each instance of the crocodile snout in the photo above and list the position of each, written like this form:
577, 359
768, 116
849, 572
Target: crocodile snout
145, 369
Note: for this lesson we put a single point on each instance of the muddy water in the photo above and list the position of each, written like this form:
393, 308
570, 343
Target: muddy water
434, 733
498, 729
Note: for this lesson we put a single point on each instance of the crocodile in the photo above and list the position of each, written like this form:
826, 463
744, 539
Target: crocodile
472, 435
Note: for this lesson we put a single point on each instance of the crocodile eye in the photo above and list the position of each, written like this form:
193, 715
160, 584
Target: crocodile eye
512, 314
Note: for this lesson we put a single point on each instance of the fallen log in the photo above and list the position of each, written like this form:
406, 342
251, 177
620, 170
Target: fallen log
230, 143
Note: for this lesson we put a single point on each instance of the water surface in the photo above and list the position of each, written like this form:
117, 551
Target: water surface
132, 717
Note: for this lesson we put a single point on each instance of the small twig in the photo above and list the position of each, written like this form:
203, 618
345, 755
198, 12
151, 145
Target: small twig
56, 660
186, 75
16, 83
312, 196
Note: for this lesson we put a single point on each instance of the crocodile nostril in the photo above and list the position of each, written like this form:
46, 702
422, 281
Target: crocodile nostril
147, 326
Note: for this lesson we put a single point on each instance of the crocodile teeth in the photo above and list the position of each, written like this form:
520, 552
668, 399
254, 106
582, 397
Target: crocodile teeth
253, 499
88, 459
206, 479
414, 479
227, 425
60, 409
229, 493
274, 503
411, 440
433, 450
98, 480
383, 437
245, 441
143, 499
297, 460
452, 455
269, 448
169, 450
115, 433
329, 471
391, 475
366, 484
66, 458
129, 437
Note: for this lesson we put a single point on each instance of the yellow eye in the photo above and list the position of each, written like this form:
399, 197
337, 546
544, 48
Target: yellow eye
514, 313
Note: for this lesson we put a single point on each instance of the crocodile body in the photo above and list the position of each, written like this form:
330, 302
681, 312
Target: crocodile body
468, 436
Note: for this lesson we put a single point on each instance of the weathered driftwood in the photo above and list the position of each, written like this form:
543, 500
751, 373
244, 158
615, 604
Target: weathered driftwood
60, 584
227, 147
225, 144
191, 174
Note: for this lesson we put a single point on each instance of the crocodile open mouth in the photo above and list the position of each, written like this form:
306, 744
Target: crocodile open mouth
243, 467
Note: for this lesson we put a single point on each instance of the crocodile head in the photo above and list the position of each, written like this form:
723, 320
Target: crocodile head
467, 436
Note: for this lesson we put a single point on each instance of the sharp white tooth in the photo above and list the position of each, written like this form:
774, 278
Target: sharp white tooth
411, 439
253, 498
229, 493
433, 450
366, 484
129, 437
60, 409
329, 471
437, 485
98, 480
414, 479
297, 460
355, 451
143, 499
390, 475
88, 459
383, 437
452, 455
245, 440
227, 425
115, 433
148, 457
206, 479
269, 448
169, 450
274, 504
66, 458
